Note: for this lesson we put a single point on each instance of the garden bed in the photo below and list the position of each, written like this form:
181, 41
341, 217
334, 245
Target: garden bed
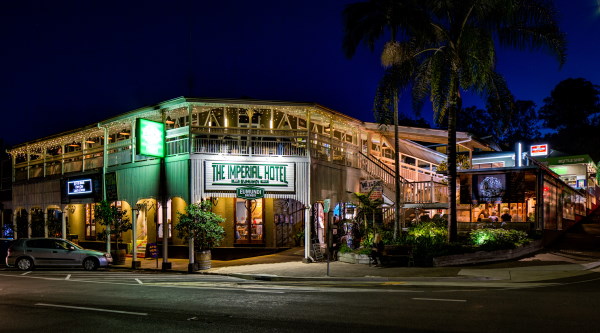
487, 256
354, 258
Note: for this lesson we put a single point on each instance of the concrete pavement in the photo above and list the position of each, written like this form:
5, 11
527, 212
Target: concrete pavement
288, 265
578, 253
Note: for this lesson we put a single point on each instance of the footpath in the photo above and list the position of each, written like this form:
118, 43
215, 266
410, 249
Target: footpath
578, 253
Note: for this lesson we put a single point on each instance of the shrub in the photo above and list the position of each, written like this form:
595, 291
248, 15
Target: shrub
428, 239
497, 239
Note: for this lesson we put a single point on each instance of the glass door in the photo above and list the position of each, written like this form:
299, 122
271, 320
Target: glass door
249, 226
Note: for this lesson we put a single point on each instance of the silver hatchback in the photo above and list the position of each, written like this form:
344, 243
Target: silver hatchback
27, 253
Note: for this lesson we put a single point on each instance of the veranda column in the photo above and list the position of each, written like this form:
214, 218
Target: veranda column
14, 218
63, 225
46, 223
29, 224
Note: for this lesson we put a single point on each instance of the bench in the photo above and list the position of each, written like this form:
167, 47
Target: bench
396, 255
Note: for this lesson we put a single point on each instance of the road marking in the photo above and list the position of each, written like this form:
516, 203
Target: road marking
138, 281
266, 291
91, 309
26, 273
440, 299
68, 277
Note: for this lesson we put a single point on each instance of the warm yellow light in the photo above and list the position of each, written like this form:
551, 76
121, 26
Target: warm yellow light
271, 124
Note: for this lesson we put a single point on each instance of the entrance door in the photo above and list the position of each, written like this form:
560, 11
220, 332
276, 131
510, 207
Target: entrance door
249, 226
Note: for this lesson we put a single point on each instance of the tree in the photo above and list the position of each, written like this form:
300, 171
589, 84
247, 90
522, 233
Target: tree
114, 218
202, 225
523, 126
366, 22
454, 50
520, 125
572, 111
571, 104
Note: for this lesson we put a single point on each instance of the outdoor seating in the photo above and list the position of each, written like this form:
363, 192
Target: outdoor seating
395, 255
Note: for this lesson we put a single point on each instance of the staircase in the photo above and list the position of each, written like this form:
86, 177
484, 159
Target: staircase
415, 194
141, 249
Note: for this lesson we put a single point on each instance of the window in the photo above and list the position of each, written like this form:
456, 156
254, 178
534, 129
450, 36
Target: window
249, 226
90, 224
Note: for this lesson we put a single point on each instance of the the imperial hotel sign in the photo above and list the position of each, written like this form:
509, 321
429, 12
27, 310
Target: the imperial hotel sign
227, 176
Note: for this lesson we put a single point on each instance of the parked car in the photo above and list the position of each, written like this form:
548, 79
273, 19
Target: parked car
4, 245
27, 253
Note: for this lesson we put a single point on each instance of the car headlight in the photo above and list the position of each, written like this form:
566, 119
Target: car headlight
107, 255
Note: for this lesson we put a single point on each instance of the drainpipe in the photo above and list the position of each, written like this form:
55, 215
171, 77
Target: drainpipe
104, 167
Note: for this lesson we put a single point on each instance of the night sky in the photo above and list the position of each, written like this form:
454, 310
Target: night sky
66, 64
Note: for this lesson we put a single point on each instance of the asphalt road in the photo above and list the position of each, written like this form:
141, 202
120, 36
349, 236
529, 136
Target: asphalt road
121, 301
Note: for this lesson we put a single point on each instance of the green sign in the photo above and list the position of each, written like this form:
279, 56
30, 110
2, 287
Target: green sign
277, 176
249, 192
150, 137
567, 160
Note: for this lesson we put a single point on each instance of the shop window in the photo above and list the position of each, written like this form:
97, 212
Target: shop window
249, 225
159, 219
90, 224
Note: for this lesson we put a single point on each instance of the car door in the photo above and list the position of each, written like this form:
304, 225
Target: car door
40, 250
63, 254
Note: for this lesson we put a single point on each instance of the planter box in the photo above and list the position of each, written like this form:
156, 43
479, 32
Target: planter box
485, 256
353, 258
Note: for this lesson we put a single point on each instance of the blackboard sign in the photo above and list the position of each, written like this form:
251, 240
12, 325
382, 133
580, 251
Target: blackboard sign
153, 250
111, 186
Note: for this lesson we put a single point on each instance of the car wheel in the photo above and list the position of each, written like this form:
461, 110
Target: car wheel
25, 264
90, 264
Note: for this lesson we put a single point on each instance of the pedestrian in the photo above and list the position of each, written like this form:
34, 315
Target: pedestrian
376, 250
506, 217
493, 217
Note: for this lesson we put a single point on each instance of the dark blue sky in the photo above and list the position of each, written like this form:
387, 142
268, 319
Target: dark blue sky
66, 64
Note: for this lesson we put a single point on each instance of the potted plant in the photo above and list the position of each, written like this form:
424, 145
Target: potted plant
201, 225
117, 222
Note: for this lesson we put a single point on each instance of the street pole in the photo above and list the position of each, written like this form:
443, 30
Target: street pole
329, 241
134, 263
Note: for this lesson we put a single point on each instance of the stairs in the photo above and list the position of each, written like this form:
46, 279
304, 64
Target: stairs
416, 194
141, 249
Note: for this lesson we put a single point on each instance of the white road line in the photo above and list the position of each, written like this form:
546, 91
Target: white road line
138, 281
91, 309
26, 273
265, 291
440, 299
68, 277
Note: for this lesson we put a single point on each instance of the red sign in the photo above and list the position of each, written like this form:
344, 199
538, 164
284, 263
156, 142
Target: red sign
539, 150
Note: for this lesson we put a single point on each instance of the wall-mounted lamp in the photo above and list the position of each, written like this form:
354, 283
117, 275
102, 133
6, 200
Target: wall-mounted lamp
70, 209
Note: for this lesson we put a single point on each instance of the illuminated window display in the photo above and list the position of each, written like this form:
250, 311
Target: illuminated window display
249, 227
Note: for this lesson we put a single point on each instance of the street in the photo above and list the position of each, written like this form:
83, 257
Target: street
79, 301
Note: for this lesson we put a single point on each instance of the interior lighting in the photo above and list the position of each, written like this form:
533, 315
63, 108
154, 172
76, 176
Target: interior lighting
169, 121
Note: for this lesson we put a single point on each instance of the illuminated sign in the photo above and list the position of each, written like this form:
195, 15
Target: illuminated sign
249, 192
491, 188
228, 176
539, 150
150, 137
80, 186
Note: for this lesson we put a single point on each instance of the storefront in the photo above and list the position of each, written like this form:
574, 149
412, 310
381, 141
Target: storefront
526, 198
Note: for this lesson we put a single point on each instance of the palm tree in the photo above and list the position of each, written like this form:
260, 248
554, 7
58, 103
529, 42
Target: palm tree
366, 22
454, 50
